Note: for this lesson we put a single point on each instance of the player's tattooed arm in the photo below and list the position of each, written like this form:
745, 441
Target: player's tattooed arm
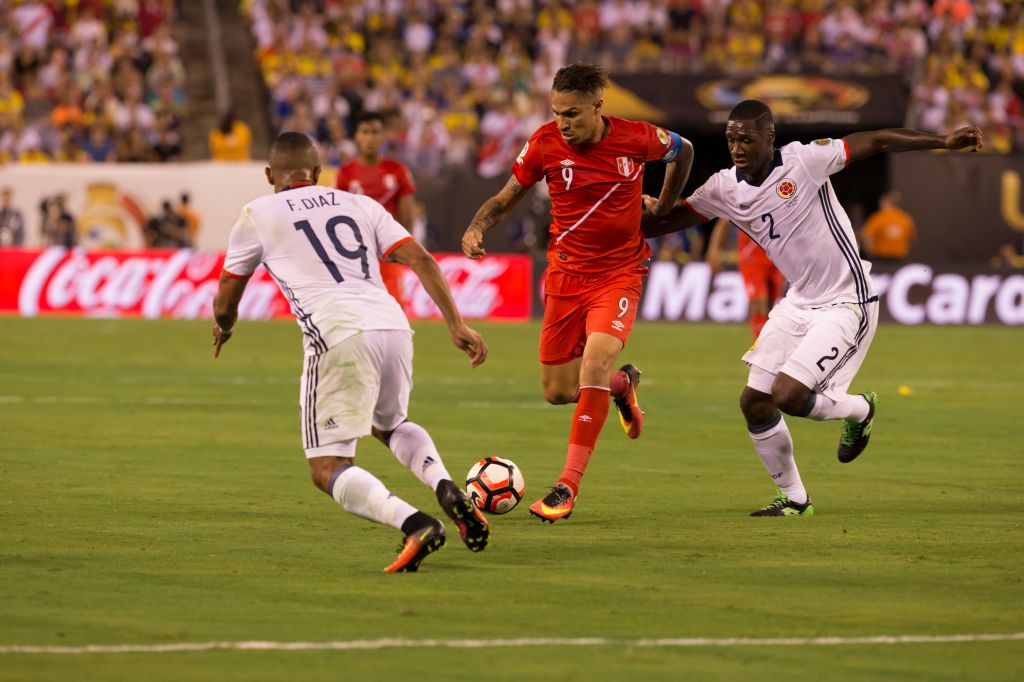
677, 172
492, 212
868, 143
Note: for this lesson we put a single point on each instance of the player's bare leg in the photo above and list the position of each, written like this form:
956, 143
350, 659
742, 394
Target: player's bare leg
360, 493
592, 403
562, 386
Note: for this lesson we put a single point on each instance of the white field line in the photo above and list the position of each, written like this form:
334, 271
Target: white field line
151, 400
374, 644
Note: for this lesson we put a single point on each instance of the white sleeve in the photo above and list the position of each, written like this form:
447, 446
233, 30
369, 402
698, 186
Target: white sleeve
706, 202
824, 157
388, 234
245, 251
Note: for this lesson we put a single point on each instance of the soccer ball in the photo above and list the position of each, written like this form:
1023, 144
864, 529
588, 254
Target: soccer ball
495, 485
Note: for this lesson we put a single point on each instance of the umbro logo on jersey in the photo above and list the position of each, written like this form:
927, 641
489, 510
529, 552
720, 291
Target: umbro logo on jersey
330, 424
567, 162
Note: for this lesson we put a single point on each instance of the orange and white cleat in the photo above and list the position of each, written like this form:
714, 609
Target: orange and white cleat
557, 504
630, 415
416, 546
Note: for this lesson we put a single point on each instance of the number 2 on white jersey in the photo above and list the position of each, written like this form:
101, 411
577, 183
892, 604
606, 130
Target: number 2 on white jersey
567, 176
358, 254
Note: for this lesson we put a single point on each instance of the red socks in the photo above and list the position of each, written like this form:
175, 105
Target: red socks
618, 382
587, 422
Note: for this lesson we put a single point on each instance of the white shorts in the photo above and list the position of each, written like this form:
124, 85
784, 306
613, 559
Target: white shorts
363, 381
822, 348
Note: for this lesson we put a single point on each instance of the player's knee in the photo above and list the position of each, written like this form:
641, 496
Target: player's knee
791, 396
757, 407
558, 395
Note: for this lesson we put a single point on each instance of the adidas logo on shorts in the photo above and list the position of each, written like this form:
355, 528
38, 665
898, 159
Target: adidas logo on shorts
330, 424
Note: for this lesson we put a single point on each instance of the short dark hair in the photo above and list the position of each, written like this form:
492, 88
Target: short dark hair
580, 77
753, 110
291, 142
368, 117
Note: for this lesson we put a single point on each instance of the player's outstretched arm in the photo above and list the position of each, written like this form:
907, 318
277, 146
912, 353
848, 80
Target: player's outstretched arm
423, 264
225, 308
716, 245
871, 142
492, 212
680, 217
677, 172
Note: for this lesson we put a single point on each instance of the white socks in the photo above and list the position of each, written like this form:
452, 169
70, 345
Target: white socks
415, 450
362, 494
848, 407
774, 446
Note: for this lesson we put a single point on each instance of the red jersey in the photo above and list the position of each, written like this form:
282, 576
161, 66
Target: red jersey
595, 193
749, 254
384, 182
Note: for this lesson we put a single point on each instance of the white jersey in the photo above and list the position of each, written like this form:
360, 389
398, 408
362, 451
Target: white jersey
795, 217
322, 246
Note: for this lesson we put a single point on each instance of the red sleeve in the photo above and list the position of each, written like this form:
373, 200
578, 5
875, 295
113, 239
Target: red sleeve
655, 140
343, 179
528, 168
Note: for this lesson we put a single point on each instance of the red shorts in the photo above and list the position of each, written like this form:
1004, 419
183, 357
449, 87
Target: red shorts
391, 273
762, 281
576, 306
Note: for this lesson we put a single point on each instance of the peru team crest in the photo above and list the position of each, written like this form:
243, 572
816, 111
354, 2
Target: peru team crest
626, 166
786, 188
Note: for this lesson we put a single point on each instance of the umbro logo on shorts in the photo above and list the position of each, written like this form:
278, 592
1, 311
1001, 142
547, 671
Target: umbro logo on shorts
617, 324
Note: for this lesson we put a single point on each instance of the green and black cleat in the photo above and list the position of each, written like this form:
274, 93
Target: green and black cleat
855, 435
781, 505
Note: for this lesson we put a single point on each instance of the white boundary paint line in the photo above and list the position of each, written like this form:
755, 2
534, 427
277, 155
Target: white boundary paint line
375, 644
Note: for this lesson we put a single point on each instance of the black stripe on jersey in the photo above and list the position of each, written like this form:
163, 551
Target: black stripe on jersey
314, 378
860, 281
307, 432
849, 252
305, 320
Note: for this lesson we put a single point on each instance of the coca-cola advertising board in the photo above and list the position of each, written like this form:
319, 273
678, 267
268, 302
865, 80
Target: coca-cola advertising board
182, 283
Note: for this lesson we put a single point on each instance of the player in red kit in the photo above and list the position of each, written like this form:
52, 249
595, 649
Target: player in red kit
593, 166
384, 180
761, 278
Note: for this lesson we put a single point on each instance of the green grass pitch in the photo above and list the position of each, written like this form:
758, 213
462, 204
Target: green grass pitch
152, 495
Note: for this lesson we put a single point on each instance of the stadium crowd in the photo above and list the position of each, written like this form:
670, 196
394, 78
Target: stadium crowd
466, 81
91, 80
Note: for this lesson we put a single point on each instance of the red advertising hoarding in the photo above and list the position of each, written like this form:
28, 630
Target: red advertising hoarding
182, 283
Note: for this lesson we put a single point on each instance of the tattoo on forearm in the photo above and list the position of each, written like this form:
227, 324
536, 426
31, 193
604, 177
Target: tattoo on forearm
514, 188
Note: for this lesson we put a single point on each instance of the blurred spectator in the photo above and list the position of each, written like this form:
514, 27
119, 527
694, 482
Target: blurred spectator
231, 140
167, 229
191, 218
12, 222
58, 225
889, 231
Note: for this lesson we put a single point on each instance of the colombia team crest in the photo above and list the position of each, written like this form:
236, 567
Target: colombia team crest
786, 188
625, 165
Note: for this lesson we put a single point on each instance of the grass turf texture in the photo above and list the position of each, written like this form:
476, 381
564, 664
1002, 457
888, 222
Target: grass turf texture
149, 494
